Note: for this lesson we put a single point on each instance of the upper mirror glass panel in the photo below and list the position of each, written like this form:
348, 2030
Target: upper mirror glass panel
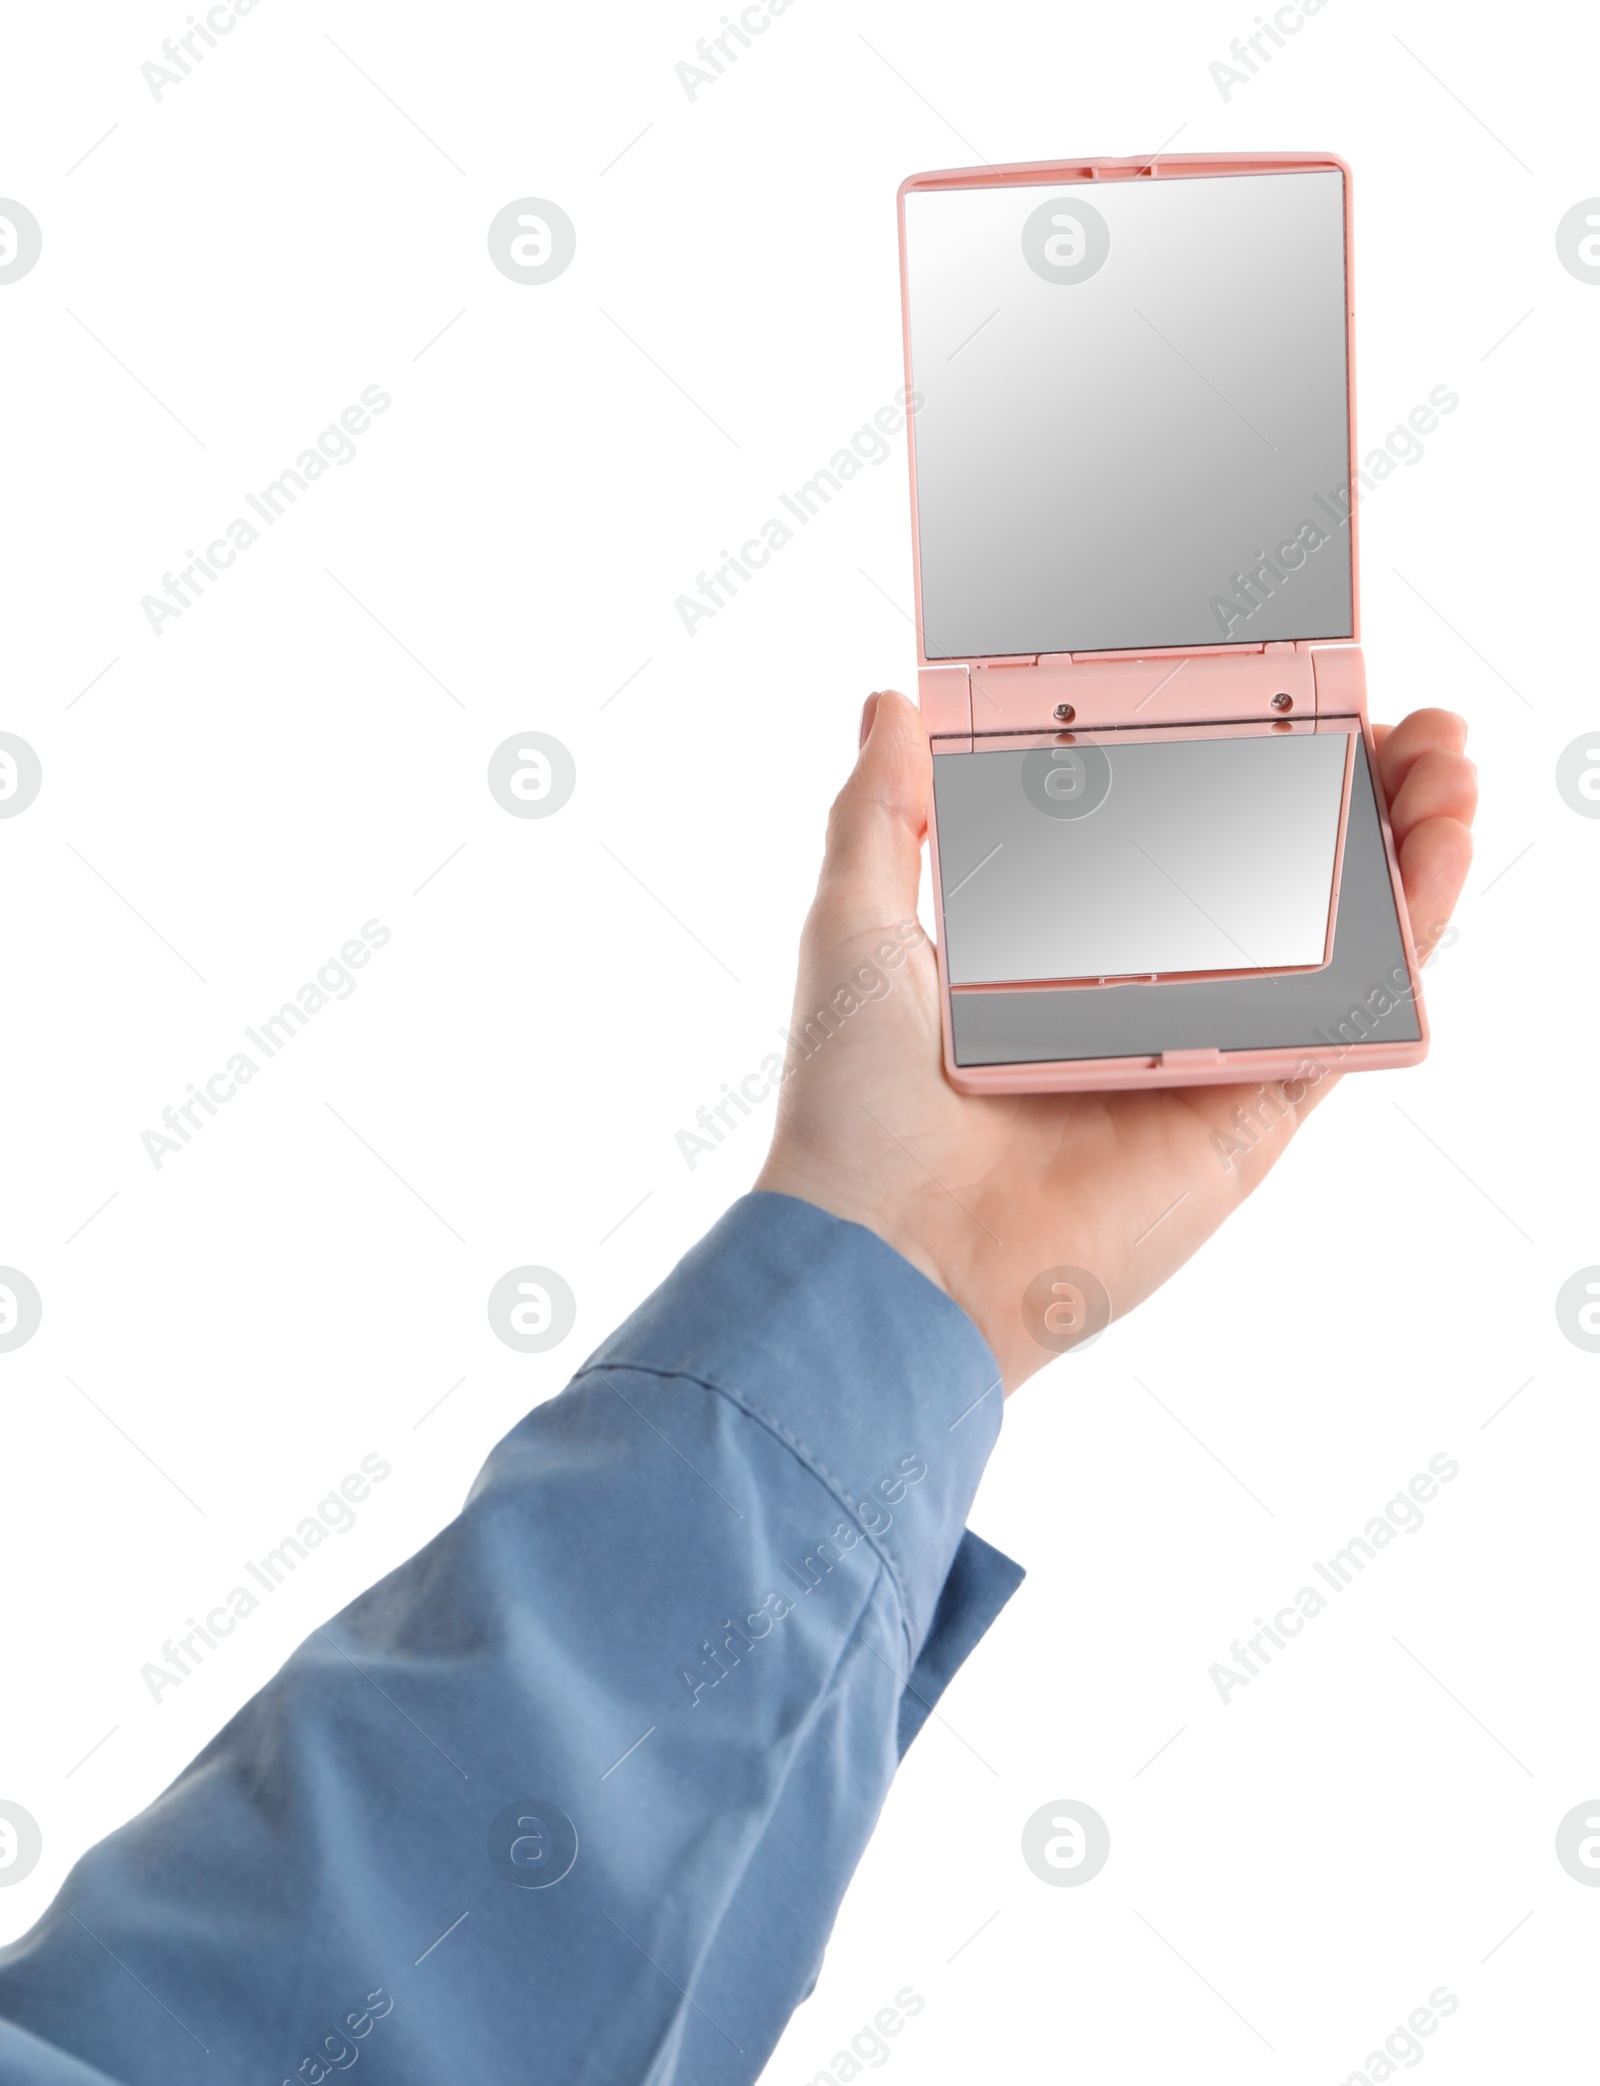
1134, 431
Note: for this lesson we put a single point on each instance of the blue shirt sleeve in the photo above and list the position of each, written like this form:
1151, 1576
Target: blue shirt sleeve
575, 1792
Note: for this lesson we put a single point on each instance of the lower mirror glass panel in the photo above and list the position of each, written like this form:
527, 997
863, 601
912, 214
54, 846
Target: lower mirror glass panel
1361, 996
1084, 857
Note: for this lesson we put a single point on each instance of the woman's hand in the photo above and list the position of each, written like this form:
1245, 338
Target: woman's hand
985, 1193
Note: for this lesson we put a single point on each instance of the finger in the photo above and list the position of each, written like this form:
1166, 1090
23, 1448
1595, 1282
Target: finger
1423, 731
1437, 785
874, 850
1434, 859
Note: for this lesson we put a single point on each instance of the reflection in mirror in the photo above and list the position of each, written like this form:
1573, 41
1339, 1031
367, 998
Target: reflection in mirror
1134, 431
1098, 856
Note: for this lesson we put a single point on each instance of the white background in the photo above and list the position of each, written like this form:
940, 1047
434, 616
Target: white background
1368, 1819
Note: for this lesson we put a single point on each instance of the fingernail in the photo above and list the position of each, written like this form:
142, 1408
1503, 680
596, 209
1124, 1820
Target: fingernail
869, 710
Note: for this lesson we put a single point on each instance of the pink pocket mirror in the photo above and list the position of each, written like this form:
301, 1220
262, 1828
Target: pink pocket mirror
1160, 850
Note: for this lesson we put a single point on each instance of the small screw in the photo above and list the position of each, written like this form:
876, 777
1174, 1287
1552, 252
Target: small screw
1065, 712
1283, 702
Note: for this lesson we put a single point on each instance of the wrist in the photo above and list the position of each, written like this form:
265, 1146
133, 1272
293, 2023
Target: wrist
894, 1219
844, 1198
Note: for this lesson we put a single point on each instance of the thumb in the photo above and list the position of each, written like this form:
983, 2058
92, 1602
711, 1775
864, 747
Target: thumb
874, 852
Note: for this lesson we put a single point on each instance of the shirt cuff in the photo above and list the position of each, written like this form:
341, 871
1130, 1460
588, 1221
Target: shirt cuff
980, 1582
874, 1379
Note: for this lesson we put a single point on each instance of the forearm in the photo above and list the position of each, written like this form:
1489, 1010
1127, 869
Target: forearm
681, 1601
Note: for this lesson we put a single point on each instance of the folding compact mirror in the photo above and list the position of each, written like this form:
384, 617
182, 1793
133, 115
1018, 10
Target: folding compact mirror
1160, 850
